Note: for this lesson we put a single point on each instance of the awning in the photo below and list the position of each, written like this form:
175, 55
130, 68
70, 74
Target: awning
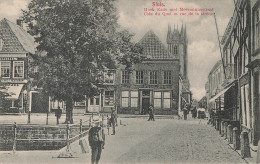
253, 64
14, 91
220, 93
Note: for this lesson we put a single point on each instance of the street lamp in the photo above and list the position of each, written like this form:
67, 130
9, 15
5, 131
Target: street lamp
25, 104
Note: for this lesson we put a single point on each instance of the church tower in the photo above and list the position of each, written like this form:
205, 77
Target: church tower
177, 46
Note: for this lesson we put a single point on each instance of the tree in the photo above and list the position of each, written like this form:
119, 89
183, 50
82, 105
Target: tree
80, 38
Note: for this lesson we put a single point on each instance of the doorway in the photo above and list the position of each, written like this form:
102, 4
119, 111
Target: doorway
94, 104
145, 105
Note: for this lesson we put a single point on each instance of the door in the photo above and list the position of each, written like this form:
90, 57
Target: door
145, 105
94, 104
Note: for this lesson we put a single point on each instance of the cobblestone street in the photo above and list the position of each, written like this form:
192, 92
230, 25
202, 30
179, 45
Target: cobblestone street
142, 141
167, 141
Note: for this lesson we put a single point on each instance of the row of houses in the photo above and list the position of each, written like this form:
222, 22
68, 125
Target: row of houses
233, 82
160, 80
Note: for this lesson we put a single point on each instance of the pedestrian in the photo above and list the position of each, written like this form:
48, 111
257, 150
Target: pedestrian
58, 114
96, 140
150, 112
185, 112
194, 112
113, 120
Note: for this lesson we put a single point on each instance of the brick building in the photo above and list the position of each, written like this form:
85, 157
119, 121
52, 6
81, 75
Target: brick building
155, 81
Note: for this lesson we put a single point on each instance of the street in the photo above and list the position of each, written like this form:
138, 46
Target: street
140, 141
167, 141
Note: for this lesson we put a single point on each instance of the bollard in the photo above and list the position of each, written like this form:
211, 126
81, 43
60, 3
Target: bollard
222, 128
80, 126
236, 143
68, 137
225, 130
230, 134
67, 153
217, 124
258, 153
14, 145
245, 147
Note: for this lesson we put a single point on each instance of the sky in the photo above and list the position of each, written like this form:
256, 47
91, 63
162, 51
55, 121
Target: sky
203, 47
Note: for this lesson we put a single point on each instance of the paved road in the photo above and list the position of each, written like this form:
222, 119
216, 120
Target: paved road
140, 141
167, 141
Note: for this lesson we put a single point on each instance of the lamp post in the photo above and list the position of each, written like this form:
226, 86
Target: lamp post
25, 104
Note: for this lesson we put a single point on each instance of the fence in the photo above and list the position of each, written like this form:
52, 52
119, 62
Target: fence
66, 134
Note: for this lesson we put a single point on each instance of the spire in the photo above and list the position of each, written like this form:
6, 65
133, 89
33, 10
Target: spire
185, 34
169, 33
181, 29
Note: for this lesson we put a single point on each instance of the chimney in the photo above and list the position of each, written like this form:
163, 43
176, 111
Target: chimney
19, 22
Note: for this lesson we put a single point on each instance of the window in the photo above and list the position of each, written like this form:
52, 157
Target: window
5, 69
153, 77
125, 97
166, 99
80, 103
125, 77
134, 98
175, 50
139, 77
157, 99
18, 69
109, 98
257, 29
94, 100
167, 77
109, 77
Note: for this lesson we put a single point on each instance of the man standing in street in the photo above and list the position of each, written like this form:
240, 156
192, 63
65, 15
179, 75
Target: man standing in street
185, 112
58, 114
96, 140
113, 120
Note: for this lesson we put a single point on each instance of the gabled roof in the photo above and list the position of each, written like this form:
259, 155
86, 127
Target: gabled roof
15, 38
153, 47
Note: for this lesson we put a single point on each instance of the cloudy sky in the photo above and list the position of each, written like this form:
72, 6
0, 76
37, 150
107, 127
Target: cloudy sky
203, 50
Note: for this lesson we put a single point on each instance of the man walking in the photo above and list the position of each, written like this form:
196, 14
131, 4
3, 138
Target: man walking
151, 115
96, 140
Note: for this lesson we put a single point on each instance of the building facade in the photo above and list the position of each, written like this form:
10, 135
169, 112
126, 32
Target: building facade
240, 60
155, 81
17, 49
253, 67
